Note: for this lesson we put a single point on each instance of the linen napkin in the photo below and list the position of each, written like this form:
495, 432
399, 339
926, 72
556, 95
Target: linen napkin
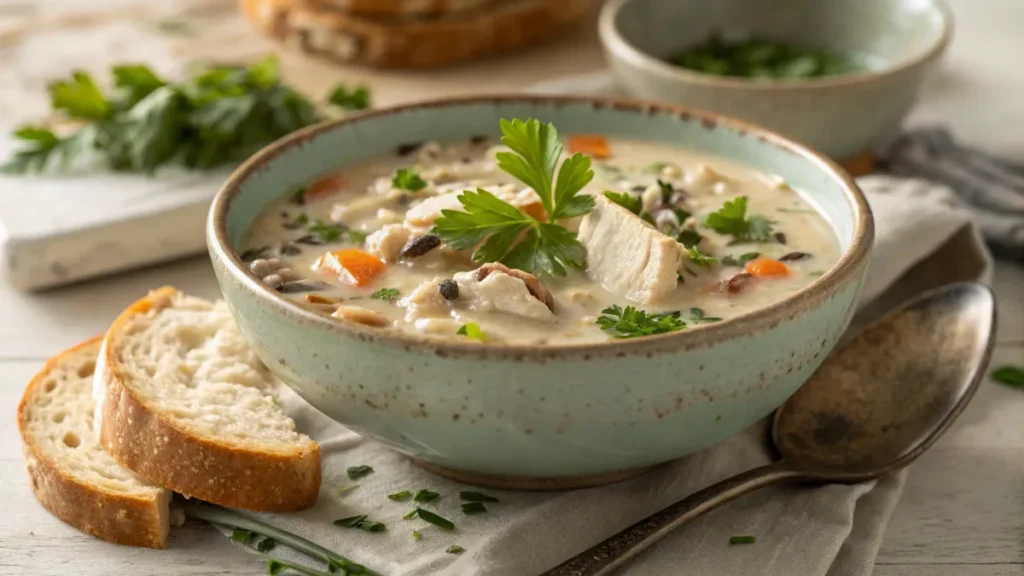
831, 530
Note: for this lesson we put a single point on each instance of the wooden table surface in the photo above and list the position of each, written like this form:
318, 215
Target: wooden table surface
961, 514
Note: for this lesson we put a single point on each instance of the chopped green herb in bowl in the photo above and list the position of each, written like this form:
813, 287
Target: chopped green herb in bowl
766, 59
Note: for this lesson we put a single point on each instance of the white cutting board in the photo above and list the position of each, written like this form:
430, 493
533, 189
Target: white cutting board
57, 228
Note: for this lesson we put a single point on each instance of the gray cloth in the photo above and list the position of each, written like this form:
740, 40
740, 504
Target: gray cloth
992, 188
833, 530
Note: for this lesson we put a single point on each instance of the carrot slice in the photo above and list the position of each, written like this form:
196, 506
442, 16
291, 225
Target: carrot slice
762, 267
590, 144
326, 185
351, 265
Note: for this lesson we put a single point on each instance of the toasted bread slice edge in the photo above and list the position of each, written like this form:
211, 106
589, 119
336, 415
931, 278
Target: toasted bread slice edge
158, 449
118, 518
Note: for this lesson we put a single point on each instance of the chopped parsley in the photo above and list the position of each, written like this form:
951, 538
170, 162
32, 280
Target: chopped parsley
425, 496
266, 545
1009, 375
699, 258
455, 549
408, 179
472, 331
434, 519
329, 232
741, 260
732, 219
241, 536
361, 523
626, 200
409, 514
357, 472
416, 535
697, 317
355, 99
347, 489
470, 496
656, 167
742, 539
688, 238
399, 496
631, 323
667, 191
505, 233
473, 508
389, 294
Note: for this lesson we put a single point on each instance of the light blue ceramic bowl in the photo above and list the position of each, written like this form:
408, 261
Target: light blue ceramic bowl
527, 416
842, 116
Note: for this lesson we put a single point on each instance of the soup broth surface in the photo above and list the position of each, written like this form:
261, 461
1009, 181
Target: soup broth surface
357, 245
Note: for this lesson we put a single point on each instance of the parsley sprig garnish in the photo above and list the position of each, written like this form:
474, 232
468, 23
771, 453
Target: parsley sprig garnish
1009, 375
630, 322
508, 234
632, 203
219, 116
732, 219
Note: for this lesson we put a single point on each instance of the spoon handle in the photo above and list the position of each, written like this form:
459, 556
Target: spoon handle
602, 558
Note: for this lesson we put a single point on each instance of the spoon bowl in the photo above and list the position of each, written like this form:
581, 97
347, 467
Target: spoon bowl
887, 395
873, 406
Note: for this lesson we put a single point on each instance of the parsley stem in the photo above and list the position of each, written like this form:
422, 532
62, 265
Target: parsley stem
218, 515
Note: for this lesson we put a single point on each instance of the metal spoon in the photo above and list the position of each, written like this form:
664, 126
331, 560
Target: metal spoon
872, 407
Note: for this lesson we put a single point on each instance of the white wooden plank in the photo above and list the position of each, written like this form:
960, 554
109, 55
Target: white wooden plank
38, 325
1008, 284
962, 502
949, 570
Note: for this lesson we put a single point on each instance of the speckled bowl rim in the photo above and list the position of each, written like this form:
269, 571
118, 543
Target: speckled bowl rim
842, 274
615, 43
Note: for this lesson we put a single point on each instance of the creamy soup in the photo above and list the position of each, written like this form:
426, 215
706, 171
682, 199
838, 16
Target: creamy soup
666, 245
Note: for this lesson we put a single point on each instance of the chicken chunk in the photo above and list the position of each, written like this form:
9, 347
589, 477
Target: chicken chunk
499, 292
627, 256
387, 243
425, 302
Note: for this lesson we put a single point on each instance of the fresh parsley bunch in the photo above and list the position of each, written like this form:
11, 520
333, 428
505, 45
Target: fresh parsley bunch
508, 234
630, 322
219, 116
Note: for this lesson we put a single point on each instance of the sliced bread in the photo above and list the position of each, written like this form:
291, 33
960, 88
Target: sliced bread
184, 402
428, 42
71, 474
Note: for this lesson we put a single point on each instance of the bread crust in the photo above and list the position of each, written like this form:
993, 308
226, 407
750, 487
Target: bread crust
402, 7
154, 447
118, 518
422, 43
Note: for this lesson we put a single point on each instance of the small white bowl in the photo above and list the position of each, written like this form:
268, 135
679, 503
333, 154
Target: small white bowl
842, 115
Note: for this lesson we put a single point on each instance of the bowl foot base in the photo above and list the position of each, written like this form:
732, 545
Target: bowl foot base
531, 482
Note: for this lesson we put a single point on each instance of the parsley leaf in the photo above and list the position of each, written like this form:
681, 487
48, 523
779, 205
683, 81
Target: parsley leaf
697, 317
357, 472
1010, 375
507, 234
425, 496
360, 522
630, 322
473, 508
472, 331
699, 258
356, 99
416, 535
741, 260
241, 536
455, 549
335, 232
79, 98
408, 179
470, 496
389, 294
688, 238
434, 519
38, 144
626, 200
134, 82
399, 496
732, 219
